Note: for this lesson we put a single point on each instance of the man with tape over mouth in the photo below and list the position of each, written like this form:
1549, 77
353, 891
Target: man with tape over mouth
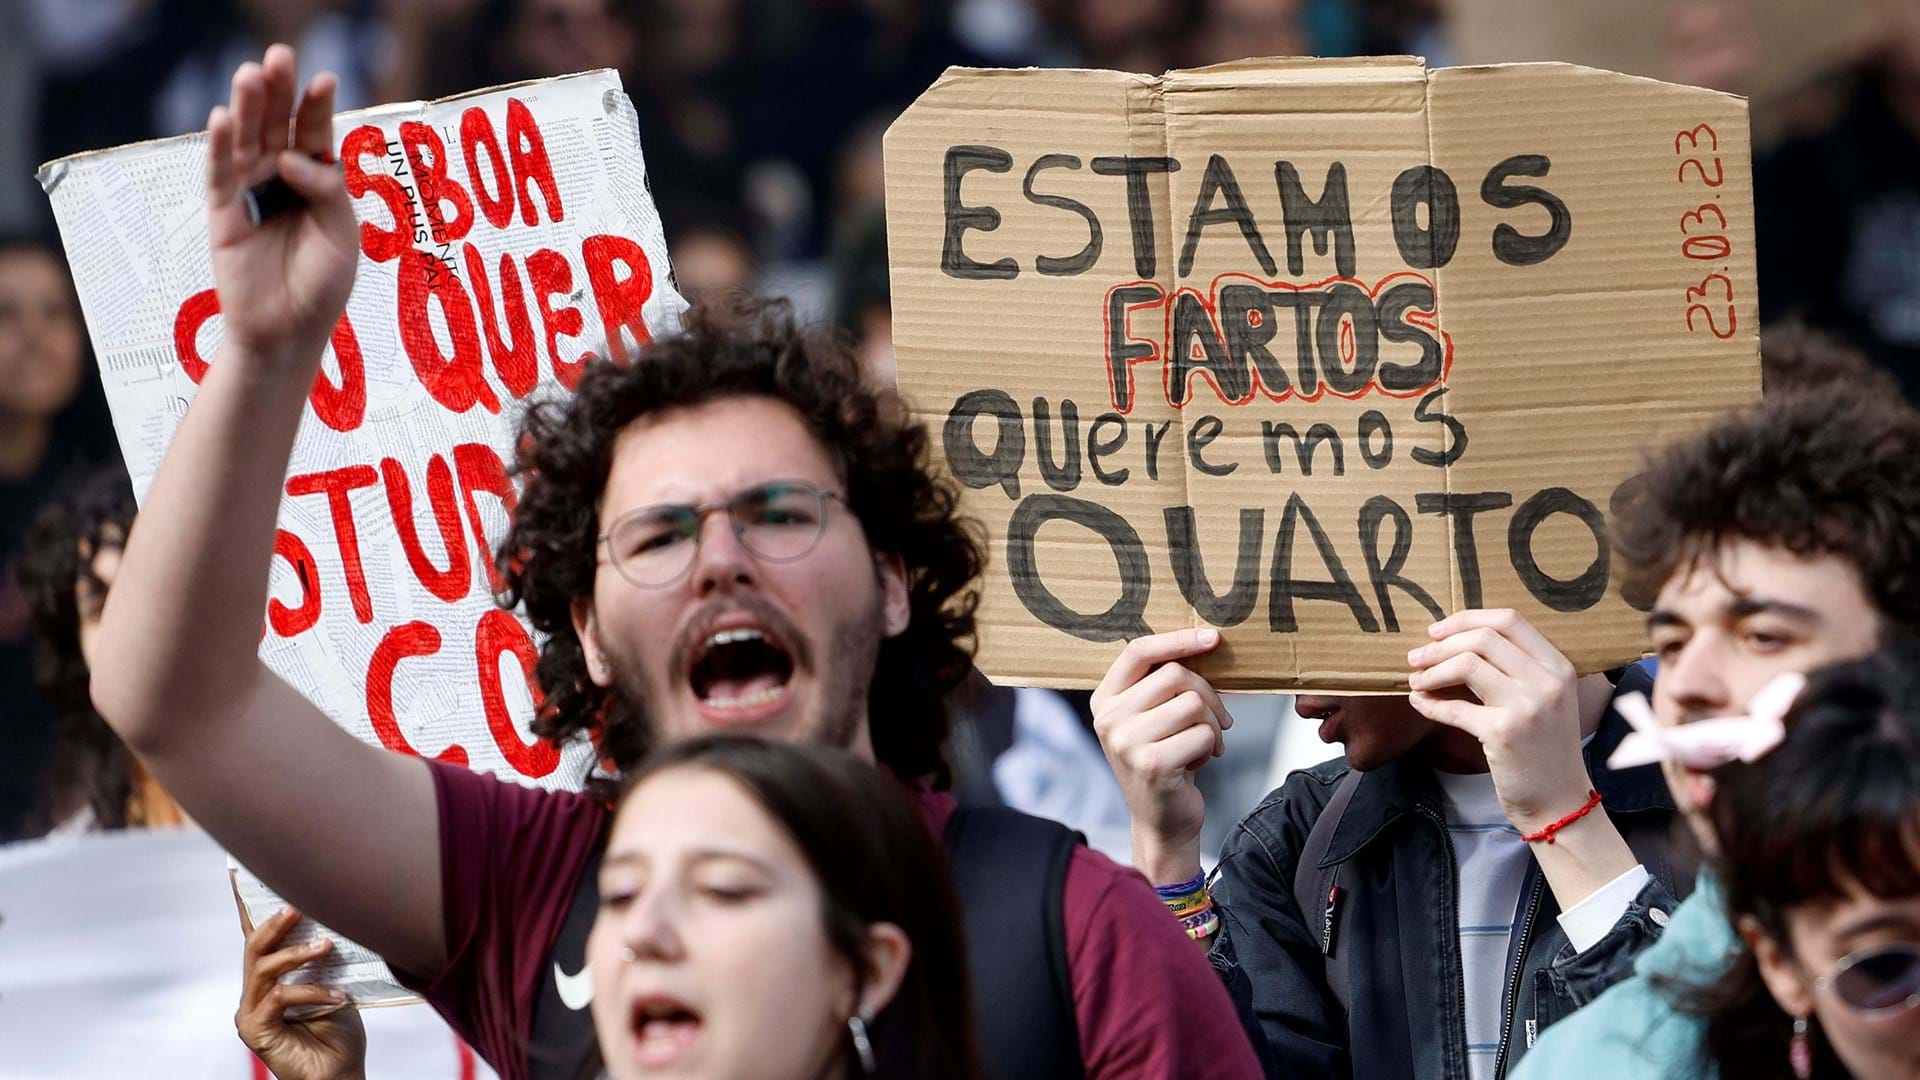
733, 533
1778, 541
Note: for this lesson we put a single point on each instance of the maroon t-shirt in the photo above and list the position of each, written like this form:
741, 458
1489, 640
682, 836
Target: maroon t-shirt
510, 859
1146, 1001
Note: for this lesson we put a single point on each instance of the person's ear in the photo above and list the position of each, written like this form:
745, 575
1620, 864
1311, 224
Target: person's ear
896, 605
887, 953
1779, 970
586, 628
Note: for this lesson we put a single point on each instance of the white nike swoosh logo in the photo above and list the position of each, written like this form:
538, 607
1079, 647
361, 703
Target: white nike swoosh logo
576, 990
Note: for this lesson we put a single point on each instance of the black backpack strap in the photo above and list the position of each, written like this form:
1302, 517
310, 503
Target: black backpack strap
1313, 884
1010, 872
982, 731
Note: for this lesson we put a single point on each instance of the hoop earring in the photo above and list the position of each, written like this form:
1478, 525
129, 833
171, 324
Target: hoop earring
862, 1046
1800, 1051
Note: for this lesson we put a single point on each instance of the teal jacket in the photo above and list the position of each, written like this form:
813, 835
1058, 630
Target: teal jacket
1633, 1029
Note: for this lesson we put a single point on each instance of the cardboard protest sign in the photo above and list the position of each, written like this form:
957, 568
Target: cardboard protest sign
507, 238
1311, 351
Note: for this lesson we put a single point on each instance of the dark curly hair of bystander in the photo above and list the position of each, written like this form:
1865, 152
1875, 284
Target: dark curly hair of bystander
91, 767
1830, 469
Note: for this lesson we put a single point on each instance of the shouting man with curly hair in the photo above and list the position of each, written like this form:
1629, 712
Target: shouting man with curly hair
731, 533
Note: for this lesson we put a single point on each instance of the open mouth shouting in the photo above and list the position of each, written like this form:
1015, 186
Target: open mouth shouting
740, 668
662, 1030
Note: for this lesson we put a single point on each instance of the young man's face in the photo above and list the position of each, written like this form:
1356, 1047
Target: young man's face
41, 339
1373, 729
784, 649
1723, 628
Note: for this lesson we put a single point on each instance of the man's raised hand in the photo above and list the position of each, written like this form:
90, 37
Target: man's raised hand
284, 282
1158, 721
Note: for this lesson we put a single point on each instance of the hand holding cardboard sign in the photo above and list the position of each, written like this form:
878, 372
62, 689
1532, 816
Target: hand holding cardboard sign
1525, 712
1527, 716
1158, 721
283, 282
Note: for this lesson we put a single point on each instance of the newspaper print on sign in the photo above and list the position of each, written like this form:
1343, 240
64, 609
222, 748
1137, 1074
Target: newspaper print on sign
508, 237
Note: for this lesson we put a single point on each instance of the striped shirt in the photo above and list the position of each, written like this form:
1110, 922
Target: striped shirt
1492, 861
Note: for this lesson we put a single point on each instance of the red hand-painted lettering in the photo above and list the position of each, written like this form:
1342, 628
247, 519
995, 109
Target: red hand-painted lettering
527, 150
338, 485
552, 276
480, 469
452, 583
499, 632
456, 382
379, 244
288, 621
619, 298
403, 641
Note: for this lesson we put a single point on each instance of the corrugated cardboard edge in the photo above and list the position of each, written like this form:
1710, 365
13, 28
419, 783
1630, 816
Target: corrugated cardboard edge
1582, 69
50, 173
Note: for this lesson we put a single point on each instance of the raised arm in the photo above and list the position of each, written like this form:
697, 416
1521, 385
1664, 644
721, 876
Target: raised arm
345, 831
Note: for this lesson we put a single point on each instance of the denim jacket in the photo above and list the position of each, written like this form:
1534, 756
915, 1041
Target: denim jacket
1397, 923
1637, 1029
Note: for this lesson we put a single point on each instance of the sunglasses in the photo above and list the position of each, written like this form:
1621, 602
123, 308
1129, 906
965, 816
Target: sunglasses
1879, 981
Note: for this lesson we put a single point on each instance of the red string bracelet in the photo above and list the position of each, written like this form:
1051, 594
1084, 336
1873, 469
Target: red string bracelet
1593, 800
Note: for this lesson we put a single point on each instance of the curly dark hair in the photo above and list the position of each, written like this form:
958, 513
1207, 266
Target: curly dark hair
738, 347
1835, 806
91, 766
1796, 356
1817, 470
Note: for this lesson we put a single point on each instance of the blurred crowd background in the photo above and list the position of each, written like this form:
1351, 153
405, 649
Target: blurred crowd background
762, 121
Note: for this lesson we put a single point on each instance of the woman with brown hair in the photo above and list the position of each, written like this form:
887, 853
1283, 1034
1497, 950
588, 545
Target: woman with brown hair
71, 558
776, 910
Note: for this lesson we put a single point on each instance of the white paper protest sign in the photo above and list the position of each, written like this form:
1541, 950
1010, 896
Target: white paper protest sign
508, 237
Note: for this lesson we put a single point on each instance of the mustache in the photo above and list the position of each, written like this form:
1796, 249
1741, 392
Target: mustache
763, 612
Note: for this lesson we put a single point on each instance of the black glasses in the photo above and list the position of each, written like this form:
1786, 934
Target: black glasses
1878, 981
779, 522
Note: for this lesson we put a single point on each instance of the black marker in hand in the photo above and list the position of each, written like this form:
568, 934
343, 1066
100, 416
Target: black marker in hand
270, 197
